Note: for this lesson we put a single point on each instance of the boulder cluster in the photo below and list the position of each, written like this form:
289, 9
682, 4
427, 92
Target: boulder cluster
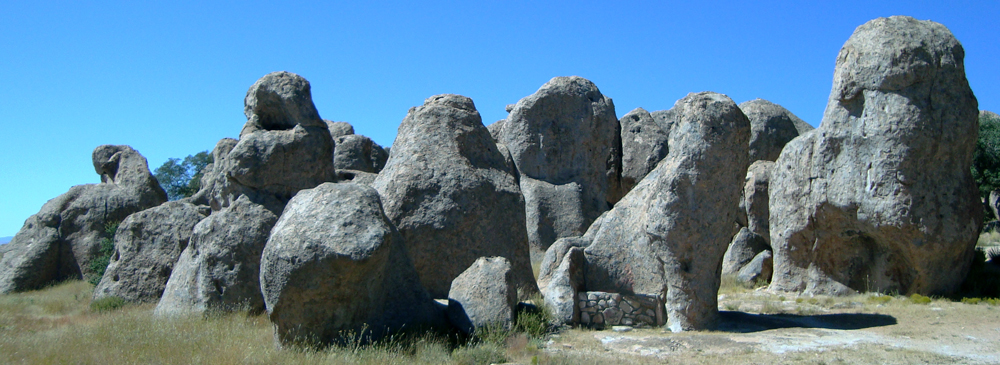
632, 220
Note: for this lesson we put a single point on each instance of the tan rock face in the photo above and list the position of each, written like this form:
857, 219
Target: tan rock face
880, 197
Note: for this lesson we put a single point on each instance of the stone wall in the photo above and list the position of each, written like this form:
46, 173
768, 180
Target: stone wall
602, 309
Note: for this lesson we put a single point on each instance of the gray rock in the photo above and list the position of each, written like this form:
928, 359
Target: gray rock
219, 270
356, 177
744, 247
61, 240
554, 256
666, 119
338, 129
668, 235
755, 202
334, 263
561, 138
284, 146
880, 197
216, 191
644, 144
357, 152
495, 128
448, 190
771, 127
484, 295
759, 268
566, 281
147, 245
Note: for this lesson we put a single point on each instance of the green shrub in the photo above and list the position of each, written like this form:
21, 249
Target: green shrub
986, 160
484, 353
919, 299
535, 321
107, 304
107, 248
879, 299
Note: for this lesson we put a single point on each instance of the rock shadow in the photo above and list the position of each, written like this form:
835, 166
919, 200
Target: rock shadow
741, 322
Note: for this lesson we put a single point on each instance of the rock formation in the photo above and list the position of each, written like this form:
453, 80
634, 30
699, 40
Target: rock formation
284, 147
338, 129
754, 237
771, 127
219, 270
359, 153
448, 190
335, 264
880, 197
644, 144
668, 235
561, 139
484, 295
147, 246
61, 240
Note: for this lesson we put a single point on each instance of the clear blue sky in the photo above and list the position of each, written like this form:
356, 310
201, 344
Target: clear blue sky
169, 78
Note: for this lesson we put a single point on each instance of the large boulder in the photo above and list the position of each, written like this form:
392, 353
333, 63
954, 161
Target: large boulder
561, 139
644, 144
754, 237
62, 240
484, 295
449, 191
334, 264
880, 197
360, 153
219, 270
668, 235
147, 245
771, 127
284, 147
338, 129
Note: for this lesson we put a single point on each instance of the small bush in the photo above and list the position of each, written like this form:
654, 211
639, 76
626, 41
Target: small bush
919, 299
107, 304
107, 248
534, 321
484, 353
983, 280
879, 299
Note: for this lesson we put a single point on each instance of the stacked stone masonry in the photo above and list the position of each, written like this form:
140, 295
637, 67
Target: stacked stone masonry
602, 309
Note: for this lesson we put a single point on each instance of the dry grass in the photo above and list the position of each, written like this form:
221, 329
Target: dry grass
57, 325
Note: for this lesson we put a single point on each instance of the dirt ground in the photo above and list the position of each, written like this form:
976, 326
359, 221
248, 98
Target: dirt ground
760, 327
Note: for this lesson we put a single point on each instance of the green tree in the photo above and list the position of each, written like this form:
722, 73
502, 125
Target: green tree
182, 178
986, 160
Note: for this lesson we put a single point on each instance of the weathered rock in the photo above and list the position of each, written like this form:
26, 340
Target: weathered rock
668, 235
744, 247
666, 119
335, 263
755, 198
484, 295
147, 245
565, 282
356, 177
357, 152
495, 129
338, 129
644, 144
61, 240
220, 268
771, 127
759, 268
880, 197
448, 190
561, 138
284, 146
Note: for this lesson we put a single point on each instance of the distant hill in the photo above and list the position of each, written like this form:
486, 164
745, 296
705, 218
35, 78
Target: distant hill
4, 240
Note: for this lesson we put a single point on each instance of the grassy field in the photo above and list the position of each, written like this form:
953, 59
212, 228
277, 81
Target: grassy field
61, 325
